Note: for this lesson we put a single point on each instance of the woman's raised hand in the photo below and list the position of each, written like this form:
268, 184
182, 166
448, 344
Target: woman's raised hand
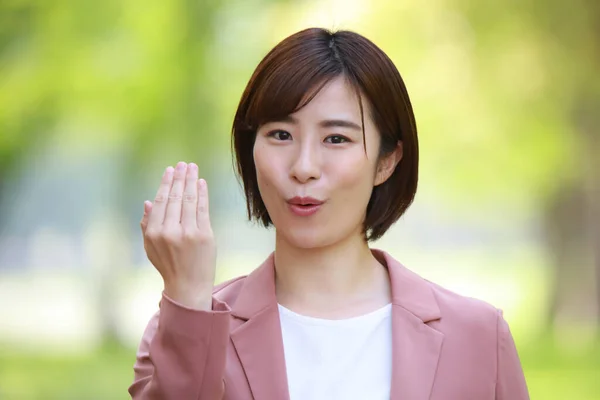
178, 237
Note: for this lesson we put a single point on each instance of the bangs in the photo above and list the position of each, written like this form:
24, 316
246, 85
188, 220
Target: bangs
289, 78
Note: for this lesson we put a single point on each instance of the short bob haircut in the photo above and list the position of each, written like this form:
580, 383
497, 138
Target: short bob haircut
291, 75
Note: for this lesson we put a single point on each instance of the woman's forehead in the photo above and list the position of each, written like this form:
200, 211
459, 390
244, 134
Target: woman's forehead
337, 99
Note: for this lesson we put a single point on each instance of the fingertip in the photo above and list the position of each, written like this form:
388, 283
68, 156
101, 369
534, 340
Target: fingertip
147, 207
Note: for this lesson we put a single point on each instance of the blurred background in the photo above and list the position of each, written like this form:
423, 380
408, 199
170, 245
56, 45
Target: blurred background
97, 98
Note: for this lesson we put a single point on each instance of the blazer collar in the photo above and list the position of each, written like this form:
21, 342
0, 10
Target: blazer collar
416, 346
258, 291
409, 290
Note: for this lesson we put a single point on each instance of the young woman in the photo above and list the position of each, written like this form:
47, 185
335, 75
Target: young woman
326, 147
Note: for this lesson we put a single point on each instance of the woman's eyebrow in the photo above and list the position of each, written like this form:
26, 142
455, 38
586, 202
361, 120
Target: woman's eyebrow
326, 123
340, 123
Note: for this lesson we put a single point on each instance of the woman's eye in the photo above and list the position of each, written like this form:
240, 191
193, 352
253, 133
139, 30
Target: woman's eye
337, 139
279, 135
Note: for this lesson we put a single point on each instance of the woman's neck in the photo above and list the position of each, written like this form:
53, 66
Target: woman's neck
338, 281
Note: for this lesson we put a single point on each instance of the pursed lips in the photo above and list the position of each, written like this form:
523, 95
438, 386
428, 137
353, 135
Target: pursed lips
305, 201
304, 206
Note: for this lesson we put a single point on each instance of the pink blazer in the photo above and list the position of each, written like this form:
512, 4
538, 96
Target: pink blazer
445, 346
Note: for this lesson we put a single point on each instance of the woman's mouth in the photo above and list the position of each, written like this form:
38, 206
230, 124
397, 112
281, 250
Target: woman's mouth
304, 206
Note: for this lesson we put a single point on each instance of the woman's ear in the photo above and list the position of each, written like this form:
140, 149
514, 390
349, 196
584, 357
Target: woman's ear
388, 164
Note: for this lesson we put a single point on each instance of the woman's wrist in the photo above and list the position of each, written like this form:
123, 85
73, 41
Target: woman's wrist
194, 298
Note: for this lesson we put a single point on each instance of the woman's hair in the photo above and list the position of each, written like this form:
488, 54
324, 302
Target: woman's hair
292, 74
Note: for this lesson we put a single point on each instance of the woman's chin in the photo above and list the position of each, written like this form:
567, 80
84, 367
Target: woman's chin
307, 239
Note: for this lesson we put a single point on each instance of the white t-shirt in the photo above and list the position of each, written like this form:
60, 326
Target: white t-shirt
338, 359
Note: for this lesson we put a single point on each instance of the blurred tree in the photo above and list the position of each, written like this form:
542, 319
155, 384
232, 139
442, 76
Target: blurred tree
573, 208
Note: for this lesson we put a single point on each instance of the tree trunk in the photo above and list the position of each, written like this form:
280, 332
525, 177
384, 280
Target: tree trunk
572, 226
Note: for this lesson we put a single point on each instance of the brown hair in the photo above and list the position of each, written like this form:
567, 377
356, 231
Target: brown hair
289, 77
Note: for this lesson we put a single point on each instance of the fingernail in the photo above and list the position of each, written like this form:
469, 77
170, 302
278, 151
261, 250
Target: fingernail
193, 166
202, 183
181, 166
169, 170
146, 207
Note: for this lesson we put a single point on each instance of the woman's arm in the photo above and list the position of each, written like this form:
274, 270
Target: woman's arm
182, 353
510, 381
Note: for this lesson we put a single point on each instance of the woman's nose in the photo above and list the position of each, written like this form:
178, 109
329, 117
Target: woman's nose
306, 165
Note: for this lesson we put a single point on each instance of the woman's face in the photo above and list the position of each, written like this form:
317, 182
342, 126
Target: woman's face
318, 152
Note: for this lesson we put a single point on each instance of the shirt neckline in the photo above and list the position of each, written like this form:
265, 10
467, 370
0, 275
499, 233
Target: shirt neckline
374, 315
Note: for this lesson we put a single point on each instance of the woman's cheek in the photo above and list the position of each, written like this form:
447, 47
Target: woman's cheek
352, 175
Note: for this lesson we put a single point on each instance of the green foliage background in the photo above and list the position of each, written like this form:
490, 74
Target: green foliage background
501, 91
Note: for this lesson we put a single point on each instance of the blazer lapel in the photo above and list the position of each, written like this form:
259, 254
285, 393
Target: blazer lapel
416, 346
257, 340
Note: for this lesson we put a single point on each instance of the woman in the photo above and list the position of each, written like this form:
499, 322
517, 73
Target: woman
326, 147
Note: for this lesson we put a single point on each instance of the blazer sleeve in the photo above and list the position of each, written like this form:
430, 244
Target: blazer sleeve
182, 353
510, 380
